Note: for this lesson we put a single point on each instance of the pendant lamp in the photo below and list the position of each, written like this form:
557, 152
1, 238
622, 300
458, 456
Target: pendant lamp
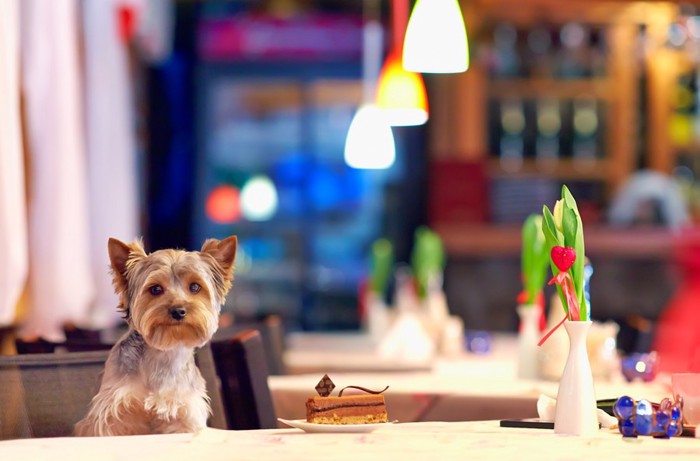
400, 93
436, 39
370, 141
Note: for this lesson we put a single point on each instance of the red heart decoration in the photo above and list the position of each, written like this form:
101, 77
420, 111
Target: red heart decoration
563, 258
126, 22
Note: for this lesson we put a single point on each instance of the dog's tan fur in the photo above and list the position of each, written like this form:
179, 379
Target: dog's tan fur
171, 300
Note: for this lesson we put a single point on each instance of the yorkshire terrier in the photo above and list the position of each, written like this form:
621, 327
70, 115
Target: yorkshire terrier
171, 300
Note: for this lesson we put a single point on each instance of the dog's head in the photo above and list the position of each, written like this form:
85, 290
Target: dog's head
173, 297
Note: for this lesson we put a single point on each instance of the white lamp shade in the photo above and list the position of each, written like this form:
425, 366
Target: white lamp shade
436, 39
401, 94
370, 142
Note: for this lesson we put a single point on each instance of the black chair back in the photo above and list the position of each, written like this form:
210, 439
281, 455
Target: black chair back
235, 366
205, 363
241, 366
272, 334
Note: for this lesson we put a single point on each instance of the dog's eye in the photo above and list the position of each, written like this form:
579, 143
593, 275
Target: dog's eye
194, 287
156, 290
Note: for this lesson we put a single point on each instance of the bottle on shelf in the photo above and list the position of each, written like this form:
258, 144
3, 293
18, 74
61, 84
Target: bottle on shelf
512, 134
585, 130
572, 56
547, 148
539, 48
507, 60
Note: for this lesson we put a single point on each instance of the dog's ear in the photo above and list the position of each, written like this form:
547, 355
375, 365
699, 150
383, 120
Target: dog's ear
119, 255
223, 252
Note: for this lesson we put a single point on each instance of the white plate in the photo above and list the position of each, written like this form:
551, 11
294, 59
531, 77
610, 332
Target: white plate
332, 428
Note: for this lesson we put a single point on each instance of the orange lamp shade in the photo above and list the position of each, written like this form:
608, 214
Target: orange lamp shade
223, 204
401, 94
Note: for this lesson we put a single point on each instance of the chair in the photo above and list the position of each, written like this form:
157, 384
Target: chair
77, 340
42, 346
39, 346
205, 362
57, 351
234, 368
272, 334
241, 368
44, 395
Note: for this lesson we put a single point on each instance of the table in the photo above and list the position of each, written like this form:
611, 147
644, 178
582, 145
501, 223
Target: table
445, 396
411, 441
356, 352
465, 387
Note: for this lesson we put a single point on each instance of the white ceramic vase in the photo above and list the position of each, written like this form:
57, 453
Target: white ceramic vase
377, 316
576, 402
528, 337
551, 356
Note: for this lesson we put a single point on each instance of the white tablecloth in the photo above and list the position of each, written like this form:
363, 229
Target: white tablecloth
464, 387
343, 352
413, 441
446, 396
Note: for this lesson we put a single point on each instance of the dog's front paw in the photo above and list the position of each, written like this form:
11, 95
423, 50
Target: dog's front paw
166, 407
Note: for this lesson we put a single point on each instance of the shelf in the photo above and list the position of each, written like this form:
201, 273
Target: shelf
483, 240
692, 148
565, 168
549, 88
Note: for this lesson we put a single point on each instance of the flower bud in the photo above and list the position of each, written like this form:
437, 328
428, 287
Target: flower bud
558, 215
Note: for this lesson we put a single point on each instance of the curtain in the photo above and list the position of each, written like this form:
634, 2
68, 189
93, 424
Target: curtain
61, 283
13, 220
111, 148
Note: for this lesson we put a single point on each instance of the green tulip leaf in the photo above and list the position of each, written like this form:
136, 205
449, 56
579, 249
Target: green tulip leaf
535, 257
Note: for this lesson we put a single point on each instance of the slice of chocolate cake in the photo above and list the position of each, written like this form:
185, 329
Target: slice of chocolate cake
349, 409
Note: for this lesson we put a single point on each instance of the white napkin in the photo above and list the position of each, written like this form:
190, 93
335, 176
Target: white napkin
547, 406
407, 340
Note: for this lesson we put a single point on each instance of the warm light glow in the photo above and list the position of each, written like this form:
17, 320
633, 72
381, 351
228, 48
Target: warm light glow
548, 118
259, 199
681, 129
512, 117
640, 366
436, 39
401, 94
370, 142
223, 204
585, 117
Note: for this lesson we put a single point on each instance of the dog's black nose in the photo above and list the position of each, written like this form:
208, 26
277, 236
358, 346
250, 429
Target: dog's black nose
178, 313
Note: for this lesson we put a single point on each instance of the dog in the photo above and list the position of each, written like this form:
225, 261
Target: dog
171, 301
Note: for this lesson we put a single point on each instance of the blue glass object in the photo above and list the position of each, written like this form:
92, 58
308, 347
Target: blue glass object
677, 412
639, 366
661, 422
673, 429
624, 407
478, 342
642, 417
627, 428
587, 272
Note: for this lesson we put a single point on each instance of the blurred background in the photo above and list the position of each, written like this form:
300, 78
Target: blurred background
199, 119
